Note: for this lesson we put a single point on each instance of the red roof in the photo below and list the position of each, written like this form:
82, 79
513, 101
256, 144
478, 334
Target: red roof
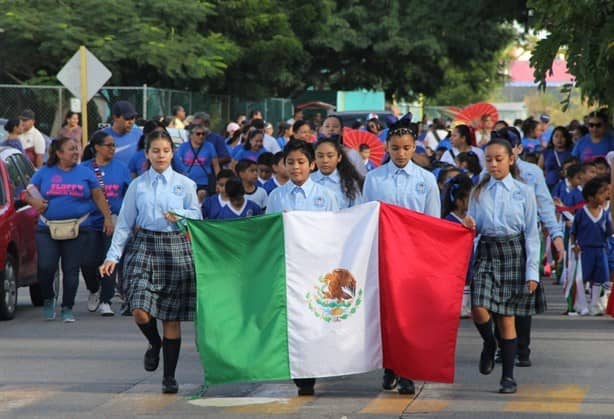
521, 73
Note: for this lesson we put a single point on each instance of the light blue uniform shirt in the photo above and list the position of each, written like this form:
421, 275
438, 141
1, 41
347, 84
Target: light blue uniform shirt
308, 197
148, 198
333, 183
410, 187
533, 176
507, 207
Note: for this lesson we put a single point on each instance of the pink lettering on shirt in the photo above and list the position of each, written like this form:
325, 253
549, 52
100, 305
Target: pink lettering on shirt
66, 189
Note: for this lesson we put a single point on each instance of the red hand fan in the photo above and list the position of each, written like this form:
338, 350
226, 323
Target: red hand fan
354, 138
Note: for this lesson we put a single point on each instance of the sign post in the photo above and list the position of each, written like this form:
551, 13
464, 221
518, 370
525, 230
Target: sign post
84, 99
83, 75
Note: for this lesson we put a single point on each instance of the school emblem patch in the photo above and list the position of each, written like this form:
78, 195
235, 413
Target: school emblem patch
421, 187
318, 201
178, 190
336, 297
517, 195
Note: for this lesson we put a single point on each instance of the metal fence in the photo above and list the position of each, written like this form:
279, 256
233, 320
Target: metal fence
50, 103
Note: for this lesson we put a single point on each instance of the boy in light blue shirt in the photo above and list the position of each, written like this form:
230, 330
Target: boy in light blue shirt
300, 192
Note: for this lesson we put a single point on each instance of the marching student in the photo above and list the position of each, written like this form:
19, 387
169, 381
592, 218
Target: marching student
238, 206
589, 233
212, 206
401, 182
248, 173
301, 193
455, 205
533, 176
158, 264
470, 162
280, 174
265, 168
503, 211
336, 173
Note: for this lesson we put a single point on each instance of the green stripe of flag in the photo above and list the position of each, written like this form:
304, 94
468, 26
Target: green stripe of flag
241, 299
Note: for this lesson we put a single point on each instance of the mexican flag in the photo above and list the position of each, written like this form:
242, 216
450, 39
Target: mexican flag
316, 294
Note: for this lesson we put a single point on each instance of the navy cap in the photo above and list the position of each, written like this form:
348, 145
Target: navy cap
545, 118
27, 114
124, 109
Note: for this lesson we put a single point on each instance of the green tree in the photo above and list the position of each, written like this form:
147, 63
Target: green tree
584, 32
140, 41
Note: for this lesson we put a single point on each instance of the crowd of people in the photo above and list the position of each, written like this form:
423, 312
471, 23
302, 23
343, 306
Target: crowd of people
530, 190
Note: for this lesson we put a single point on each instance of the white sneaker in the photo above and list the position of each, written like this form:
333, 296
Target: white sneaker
105, 310
93, 301
584, 312
595, 310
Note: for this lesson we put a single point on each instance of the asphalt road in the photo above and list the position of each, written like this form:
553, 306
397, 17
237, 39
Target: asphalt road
93, 369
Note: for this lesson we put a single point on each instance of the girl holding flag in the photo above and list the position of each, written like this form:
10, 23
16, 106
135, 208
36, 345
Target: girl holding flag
158, 265
403, 183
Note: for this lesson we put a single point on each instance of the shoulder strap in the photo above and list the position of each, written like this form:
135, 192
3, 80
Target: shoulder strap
98, 173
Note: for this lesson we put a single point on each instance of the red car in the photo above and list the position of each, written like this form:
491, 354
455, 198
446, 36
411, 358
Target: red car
17, 228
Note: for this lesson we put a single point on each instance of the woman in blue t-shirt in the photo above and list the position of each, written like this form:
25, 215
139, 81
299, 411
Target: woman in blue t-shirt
69, 191
113, 177
252, 148
555, 154
197, 159
598, 142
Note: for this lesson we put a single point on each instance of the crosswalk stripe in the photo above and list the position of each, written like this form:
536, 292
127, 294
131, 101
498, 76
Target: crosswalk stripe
291, 405
387, 403
12, 397
539, 398
143, 399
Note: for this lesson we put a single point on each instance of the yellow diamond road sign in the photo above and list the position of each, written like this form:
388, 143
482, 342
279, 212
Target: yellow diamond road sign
97, 75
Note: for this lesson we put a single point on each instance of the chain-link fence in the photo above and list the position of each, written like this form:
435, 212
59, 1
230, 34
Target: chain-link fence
50, 104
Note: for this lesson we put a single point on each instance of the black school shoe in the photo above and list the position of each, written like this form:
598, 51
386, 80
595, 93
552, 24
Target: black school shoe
487, 361
390, 379
508, 386
406, 386
169, 385
151, 359
306, 391
523, 362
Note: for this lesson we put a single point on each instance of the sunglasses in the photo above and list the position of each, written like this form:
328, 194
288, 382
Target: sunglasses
198, 134
598, 125
110, 145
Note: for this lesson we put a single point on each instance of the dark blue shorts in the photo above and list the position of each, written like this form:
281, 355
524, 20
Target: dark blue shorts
610, 250
595, 265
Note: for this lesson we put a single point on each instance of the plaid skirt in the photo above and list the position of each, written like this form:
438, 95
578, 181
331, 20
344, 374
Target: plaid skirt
498, 282
158, 270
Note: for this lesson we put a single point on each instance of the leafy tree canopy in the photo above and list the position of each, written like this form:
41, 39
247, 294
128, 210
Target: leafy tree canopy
255, 48
584, 32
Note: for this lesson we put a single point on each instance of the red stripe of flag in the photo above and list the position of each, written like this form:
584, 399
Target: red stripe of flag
423, 265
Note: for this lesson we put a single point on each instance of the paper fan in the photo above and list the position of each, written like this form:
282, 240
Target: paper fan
353, 138
472, 114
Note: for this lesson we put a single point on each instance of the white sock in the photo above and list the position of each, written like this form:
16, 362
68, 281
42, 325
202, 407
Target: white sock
595, 294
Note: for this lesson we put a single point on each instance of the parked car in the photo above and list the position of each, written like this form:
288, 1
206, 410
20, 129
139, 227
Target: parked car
349, 117
3, 132
18, 220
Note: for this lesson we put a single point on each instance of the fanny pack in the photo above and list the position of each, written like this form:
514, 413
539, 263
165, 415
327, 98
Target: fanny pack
64, 229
